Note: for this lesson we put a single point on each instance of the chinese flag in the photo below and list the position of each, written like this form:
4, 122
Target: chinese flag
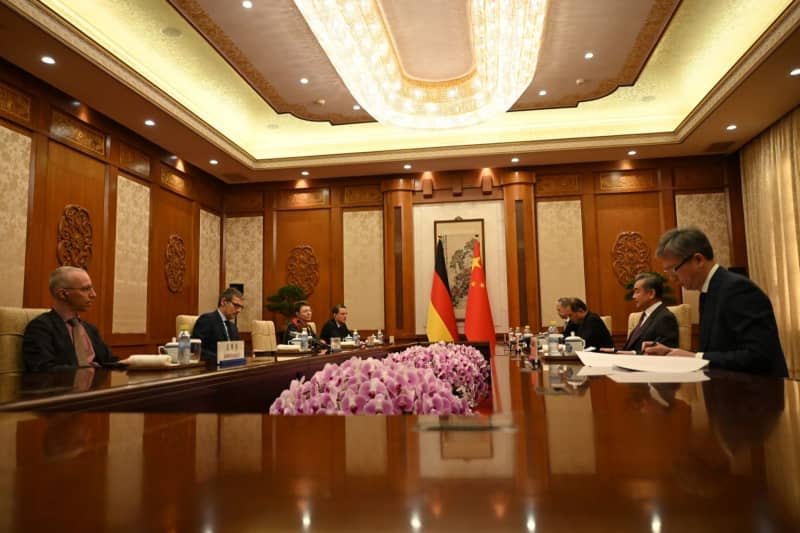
441, 318
478, 325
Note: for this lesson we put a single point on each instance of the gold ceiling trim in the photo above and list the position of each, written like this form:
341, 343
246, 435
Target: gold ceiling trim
296, 142
652, 30
195, 15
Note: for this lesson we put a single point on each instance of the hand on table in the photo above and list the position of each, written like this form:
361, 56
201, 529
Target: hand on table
656, 348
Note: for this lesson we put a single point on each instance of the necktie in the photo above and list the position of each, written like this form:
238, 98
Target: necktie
78, 342
702, 303
639, 325
233, 334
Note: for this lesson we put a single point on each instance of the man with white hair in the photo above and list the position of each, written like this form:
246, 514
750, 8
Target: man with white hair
59, 339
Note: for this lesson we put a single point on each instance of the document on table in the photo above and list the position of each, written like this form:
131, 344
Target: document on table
643, 363
658, 377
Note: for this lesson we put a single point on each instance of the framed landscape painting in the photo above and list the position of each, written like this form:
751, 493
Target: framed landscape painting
458, 240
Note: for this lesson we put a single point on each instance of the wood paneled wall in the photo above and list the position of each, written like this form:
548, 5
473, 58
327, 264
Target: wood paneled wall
77, 156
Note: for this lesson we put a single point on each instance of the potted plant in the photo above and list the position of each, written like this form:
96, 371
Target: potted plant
283, 301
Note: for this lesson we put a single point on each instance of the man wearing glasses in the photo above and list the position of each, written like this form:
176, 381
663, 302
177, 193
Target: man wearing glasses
59, 339
737, 324
219, 325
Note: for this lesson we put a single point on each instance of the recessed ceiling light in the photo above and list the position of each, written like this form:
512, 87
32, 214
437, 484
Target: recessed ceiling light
247, 4
730, 127
795, 72
542, 93
515, 159
305, 173
149, 122
356, 107
75, 103
631, 152
588, 55
173, 157
304, 81
47, 60
407, 166
213, 161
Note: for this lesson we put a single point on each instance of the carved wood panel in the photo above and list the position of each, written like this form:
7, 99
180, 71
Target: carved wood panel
630, 255
558, 184
134, 160
75, 131
363, 195
302, 268
174, 182
175, 265
303, 199
625, 181
14, 103
74, 244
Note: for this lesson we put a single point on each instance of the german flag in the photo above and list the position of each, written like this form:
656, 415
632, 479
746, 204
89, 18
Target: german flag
441, 319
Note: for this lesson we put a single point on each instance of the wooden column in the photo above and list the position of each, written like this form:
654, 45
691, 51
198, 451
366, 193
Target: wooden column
398, 238
521, 248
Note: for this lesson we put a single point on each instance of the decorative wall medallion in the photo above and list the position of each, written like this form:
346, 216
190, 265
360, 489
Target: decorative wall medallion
175, 266
302, 268
630, 255
15, 103
74, 130
74, 247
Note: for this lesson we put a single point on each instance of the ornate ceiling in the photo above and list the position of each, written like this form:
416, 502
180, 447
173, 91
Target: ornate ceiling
222, 81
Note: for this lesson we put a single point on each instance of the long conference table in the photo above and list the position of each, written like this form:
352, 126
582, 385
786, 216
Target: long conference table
194, 450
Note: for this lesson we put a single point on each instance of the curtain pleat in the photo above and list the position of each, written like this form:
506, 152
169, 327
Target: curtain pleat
770, 168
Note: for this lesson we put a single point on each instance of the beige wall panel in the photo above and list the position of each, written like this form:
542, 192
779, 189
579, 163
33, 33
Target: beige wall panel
494, 228
244, 263
362, 233
709, 212
15, 164
131, 246
208, 288
465, 454
560, 241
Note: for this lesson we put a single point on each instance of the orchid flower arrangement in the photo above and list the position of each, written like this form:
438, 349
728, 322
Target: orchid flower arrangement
460, 365
370, 386
435, 379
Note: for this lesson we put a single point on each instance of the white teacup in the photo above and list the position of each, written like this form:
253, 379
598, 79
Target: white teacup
171, 349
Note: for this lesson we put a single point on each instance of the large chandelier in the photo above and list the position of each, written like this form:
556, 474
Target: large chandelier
506, 37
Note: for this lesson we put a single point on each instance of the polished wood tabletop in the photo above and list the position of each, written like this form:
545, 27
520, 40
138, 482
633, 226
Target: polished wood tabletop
559, 452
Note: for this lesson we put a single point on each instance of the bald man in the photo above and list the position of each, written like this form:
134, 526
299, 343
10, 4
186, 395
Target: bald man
59, 339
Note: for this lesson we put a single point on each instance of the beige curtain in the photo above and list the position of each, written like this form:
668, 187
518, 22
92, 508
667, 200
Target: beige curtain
771, 192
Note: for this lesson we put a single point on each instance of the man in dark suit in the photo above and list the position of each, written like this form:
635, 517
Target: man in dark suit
737, 324
218, 325
657, 323
563, 310
59, 339
336, 326
589, 326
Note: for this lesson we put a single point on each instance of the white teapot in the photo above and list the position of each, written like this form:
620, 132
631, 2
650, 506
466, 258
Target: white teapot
573, 344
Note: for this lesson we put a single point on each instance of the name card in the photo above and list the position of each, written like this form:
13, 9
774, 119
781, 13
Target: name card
230, 353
